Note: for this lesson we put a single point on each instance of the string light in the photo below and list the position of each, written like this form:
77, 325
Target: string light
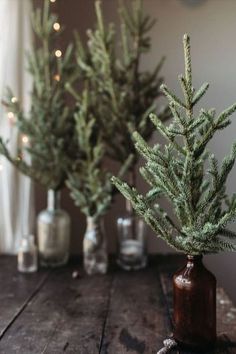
57, 77
14, 100
56, 26
25, 139
52, 0
11, 116
58, 53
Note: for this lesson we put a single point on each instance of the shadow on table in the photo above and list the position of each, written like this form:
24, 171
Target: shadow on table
224, 346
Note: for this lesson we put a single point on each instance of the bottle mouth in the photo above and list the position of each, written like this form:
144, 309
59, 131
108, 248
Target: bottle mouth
197, 257
27, 239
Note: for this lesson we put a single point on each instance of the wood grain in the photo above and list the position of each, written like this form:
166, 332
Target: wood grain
16, 291
137, 319
122, 312
67, 315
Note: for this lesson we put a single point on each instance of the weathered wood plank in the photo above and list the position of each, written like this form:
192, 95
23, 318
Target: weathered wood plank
137, 319
226, 313
67, 315
16, 290
116, 314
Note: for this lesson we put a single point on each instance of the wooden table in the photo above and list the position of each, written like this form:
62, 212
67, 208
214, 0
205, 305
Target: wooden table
122, 312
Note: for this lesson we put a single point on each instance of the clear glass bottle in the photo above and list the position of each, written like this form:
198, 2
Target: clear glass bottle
27, 261
53, 233
132, 243
95, 248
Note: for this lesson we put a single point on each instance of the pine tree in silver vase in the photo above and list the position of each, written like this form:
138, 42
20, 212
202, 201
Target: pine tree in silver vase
46, 131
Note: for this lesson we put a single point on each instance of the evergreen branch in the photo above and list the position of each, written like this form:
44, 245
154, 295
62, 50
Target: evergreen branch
225, 114
187, 59
162, 129
146, 151
177, 173
159, 225
172, 97
200, 93
227, 233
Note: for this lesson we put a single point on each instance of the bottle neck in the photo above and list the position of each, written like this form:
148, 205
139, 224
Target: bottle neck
53, 199
27, 241
93, 223
194, 260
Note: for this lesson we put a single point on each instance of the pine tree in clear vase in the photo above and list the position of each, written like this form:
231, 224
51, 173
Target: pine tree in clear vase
46, 132
187, 175
89, 182
126, 94
90, 185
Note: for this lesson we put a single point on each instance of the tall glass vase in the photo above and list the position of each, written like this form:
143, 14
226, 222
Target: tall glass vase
95, 248
53, 233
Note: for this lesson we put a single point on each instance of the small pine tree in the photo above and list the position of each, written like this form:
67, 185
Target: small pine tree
177, 172
88, 181
125, 94
48, 127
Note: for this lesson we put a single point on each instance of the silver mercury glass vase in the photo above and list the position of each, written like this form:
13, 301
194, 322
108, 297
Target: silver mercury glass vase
53, 233
94, 247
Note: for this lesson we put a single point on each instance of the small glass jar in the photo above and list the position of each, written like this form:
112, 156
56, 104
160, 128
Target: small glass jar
132, 254
27, 255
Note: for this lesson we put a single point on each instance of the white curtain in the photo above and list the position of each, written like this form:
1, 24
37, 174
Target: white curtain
16, 192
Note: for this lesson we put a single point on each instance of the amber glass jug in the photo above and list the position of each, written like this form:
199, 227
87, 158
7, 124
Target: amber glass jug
194, 306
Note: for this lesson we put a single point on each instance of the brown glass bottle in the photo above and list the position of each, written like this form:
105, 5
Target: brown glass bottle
195, 306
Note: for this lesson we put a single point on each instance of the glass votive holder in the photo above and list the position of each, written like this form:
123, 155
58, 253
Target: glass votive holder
27, 261
132, 243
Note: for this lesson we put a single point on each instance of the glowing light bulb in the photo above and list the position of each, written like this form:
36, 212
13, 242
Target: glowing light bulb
56, 26
25, 139
11, 116
58, 53
14, 100
52, 0
57, 77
